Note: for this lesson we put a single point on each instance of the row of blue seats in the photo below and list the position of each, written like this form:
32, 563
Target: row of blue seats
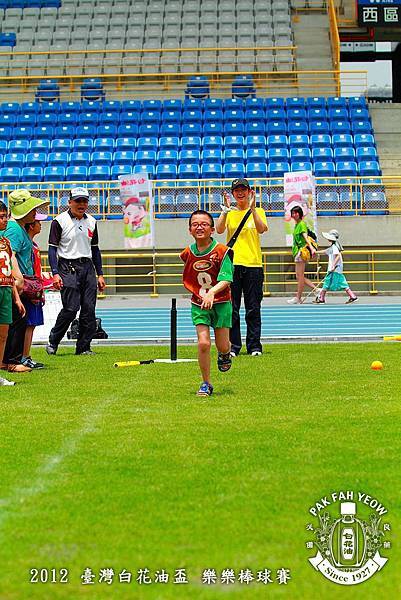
189, 171
189, 143
189, 104
188, 129
128, 157
176, 117
29, 3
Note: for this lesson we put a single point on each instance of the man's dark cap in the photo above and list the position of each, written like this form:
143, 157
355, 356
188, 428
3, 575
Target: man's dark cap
238, 182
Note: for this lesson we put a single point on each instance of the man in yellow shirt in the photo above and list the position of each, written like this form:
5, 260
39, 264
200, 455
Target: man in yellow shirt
248, 269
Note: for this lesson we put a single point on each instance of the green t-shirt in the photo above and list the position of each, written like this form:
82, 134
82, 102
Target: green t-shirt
226, 272
298, 238
21, 245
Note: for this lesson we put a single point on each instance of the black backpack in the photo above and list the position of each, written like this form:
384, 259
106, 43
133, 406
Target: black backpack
100, 334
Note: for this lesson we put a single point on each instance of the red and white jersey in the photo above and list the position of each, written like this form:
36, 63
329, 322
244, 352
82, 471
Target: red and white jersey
201, 272
6, 278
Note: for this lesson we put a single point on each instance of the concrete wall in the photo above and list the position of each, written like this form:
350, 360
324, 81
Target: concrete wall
356, 232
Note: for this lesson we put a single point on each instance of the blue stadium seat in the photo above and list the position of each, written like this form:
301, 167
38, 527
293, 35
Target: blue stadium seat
108, 118
343, 140
21, 120
146, 144
5, 133
130, 105
39, 145
213, 104
209, 128
235, 115
167, 157
112, 106
129, 130
76, 173
357, 102
62, 132
14, 159
233, 155
104, 144
88, 118
35, 159
337, 102
99, 173
9, 108
338, 114
169, 143
189, 156
172, 104
341, 154
70, 107
186, 202
349, 201
170, 130
211, 170
301, 166
152, 105
361, 126
10, 174
87, 131
144, 168
166, 172
297, 114
320, 140
277, 204
164, 203
50, 107
324, 169
256, 155
322, 154
82, 144
18, 146
277, 155
123, 158
277, 141
277, 169
189, 171
295, 102
27, 133
30, 107
117, 170
366, 153
275, 114
369, 168
102, 158
212, 155
212, 142
319, 128
317, 114
327, 203
233, 169
148, 117
347, 169
242, 87
209, 116
8, 120
316, 102
70, 119
364, 139
80, 158
375, 203
254, 128
234, 142
300, 154
298, 141
256, 169
340, 127
256, 103
54, 173
47, 119
357, 114
257, 142
276, 128
34, 174
274, 103
191, 142
146, 156
130, 116
191, 130
171, 116
192, 104
55, 159
125, 143
60, 145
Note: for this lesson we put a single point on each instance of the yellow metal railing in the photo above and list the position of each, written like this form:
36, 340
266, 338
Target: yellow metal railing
334, 40
368, 271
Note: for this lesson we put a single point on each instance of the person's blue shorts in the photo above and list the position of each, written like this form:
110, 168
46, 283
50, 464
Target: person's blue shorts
34, 313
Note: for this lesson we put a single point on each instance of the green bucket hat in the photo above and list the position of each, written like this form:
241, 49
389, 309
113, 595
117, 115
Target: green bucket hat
21, 203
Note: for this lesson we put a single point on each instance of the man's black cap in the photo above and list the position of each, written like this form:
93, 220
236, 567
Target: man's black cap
237, 182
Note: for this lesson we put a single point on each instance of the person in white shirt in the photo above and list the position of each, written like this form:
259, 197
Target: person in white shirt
335, 280
76, 264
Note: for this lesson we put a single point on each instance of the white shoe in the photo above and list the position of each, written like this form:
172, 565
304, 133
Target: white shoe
6, 382
256, 353
233, 355
294, 301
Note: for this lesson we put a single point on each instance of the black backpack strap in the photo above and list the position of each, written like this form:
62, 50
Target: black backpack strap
240, 227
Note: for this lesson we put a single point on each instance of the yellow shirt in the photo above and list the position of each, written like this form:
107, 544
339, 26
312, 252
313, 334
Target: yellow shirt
247, 250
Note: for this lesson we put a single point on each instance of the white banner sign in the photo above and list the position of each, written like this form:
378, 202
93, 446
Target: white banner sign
299, 190
137, 204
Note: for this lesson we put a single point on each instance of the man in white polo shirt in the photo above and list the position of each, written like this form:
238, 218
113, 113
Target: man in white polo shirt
75, 261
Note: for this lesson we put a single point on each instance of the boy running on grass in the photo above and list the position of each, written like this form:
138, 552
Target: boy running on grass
10, 276
207, 274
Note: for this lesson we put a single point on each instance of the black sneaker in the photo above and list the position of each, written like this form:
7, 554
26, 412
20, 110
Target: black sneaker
86, 353
28, 362
51, 350
224, 361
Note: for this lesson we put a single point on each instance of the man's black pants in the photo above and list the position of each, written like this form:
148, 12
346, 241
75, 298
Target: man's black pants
249, 282
15, 339
79, 291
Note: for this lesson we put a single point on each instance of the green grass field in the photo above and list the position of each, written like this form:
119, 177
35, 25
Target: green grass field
128, 469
